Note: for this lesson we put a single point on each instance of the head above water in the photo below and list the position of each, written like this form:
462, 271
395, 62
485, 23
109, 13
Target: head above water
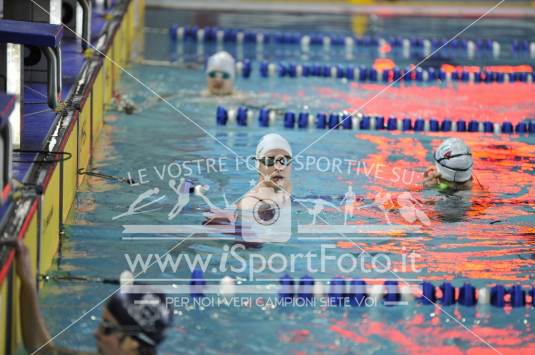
453, 160
220, 73
133, 323
273, 156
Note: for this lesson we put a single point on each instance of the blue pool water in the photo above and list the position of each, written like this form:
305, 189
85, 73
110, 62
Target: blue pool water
483, 237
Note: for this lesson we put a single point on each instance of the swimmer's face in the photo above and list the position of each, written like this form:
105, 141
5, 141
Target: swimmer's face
110, 340
220, 83
278, 174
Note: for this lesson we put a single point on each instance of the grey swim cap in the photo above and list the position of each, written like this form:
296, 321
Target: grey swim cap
453, 160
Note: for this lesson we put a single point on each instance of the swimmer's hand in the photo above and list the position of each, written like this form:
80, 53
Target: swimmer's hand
199, 190
23, 265
431, 176
35, 336
219, 218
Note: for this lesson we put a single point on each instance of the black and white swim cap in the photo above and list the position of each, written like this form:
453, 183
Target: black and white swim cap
453, 160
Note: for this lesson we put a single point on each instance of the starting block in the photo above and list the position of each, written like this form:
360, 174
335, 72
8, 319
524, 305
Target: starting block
46, 37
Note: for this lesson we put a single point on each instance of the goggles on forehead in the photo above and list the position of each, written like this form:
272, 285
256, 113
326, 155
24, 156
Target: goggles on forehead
270, 161
221, 74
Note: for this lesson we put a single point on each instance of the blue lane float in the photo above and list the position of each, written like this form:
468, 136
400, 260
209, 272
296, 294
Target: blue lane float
289, 120
221, 116
337, 291
407, 45
306, 288
497, 296
467, 295
518, 296
263, 117
357, 293
531, 293
428, 293
448, 294
321, 120
303, 120
287, 287
197, 283
344, 121
244, 68
392, 293
241, 116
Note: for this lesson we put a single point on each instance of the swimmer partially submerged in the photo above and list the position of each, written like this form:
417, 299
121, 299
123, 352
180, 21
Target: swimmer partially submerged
272, 160
264, 213
220, 74
220, 85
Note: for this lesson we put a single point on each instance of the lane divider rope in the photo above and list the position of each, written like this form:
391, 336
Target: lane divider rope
425, 46
369, 74
244, 116
343, 291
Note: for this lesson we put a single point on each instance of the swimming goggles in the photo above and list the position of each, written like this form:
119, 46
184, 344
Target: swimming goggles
222, 74
108, 329
281, 160
454, 156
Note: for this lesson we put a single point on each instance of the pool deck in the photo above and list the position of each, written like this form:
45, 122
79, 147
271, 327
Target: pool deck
38, 119
435, 9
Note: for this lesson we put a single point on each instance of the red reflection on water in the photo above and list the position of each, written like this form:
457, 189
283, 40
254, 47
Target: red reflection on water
473, 237
349, 334
414, 335
485, 102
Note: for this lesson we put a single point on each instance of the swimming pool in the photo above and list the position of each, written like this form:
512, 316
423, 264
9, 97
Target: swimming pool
483, 238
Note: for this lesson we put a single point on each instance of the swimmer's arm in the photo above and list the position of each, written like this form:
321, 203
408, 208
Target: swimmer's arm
34, 332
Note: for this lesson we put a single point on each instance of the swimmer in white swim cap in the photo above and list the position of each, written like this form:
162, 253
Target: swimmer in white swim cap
273, 159
274, 156
453, 166
220, 73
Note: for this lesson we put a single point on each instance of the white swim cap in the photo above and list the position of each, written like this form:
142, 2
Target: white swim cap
272, 141
453, 160
222, 61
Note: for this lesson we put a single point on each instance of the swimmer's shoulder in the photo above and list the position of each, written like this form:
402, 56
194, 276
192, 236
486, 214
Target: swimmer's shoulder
242, 97
248, 201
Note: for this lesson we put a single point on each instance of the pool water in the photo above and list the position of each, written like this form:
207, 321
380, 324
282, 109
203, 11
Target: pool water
483, 237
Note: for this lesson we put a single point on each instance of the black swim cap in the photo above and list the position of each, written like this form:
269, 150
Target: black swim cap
143, 316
